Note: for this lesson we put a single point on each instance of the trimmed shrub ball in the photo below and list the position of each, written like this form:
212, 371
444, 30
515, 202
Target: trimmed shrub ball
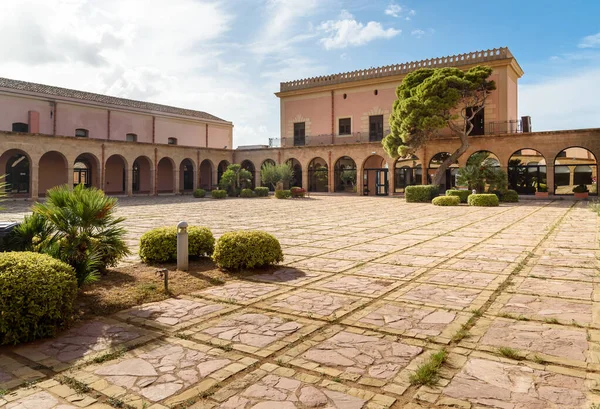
160, 245
37, 293
198, 193
247, 193
297, 192
218, 194
462, 194
446, 201
261, 191
283, 194
484, 199
247, 249
510, 196
421, 193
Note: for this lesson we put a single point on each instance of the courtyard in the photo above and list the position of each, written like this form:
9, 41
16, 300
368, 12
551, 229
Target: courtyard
370, 288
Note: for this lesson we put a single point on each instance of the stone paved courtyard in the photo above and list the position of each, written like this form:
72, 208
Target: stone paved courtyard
369, 289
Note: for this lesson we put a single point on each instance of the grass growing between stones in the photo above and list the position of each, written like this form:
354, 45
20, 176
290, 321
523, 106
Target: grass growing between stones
118, 353
510, 353
73, 383
428, 372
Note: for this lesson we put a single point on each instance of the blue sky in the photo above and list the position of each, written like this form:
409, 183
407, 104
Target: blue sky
228, 57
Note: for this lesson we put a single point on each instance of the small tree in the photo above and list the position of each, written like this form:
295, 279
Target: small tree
482, 171
348, 176
432, 99
271, 174
234, 178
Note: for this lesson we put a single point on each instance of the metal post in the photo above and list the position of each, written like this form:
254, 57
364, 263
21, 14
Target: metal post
166, 278
182, 246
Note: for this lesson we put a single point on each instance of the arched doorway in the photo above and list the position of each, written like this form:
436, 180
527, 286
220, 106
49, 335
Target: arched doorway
344, 175
575, 166
186, 176
449, 180
142, 175
249, 166
17, 168
53, 171
407, 172
221, 169
85, 171
266, 162
297, 168
375, 176
318, 175
115, 175
527, 172
486, 157
206, 172
165, 176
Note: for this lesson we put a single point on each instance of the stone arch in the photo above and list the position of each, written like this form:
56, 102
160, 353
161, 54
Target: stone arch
344, 175
187, 170
206, 173
318, 175
86, 170
16, 165
375, 176
435, 162
142, 175
249, 166
527, 172
492, 158
575, 166
115, 175
165, 175
408, 171
297, 168
53, 168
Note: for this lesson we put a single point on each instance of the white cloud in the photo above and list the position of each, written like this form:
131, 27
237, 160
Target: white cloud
568, 101
417, 33
346, 32
591, 41
393, 10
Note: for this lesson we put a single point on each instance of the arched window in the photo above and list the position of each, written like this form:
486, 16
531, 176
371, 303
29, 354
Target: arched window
131, 137
172, 141
82, 133
20, 127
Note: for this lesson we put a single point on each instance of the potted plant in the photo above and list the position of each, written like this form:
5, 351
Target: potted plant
542, 190
581, 192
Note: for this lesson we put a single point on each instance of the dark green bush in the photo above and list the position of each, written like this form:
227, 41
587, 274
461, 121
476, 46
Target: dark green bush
37, 293
160, 245
421, 193
247, 249
446, 201
580, 189
283, 194
198, 193
247, 193
218, 194
261, 191
484, 199
510, 196
462, 194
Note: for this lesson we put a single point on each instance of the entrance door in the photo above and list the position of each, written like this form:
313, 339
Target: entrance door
188, 178
381, 182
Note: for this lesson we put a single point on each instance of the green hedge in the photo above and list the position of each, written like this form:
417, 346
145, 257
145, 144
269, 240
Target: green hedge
199, 193
283, 194
261, 191
160, 245
37, 293
484, 199
247, 193
446, 201
218, 194
421, 193
510, 196
462, 194
247, 249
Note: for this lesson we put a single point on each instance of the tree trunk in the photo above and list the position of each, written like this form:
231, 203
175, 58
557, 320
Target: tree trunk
440, 174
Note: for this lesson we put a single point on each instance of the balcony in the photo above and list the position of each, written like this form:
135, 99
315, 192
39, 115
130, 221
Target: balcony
509, 126
332, 139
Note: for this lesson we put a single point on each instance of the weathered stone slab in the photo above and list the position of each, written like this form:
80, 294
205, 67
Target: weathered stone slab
355, 285
240, 292
441, 296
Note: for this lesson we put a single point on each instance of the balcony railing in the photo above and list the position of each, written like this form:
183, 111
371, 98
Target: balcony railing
509, 126
329, 139
274, 143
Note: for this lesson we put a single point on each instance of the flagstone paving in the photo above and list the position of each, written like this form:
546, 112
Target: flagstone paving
369, 289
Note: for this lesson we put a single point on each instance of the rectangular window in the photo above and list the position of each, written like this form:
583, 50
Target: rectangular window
20, 127
131, 137
172, 141
81, 133
345, 126
375, 128
478, 122
299, 134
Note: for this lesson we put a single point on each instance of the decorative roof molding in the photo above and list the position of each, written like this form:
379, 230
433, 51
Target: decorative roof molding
399, 69
51, 91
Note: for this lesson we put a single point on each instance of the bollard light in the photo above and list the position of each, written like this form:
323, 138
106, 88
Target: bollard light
182, 246
474, 191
